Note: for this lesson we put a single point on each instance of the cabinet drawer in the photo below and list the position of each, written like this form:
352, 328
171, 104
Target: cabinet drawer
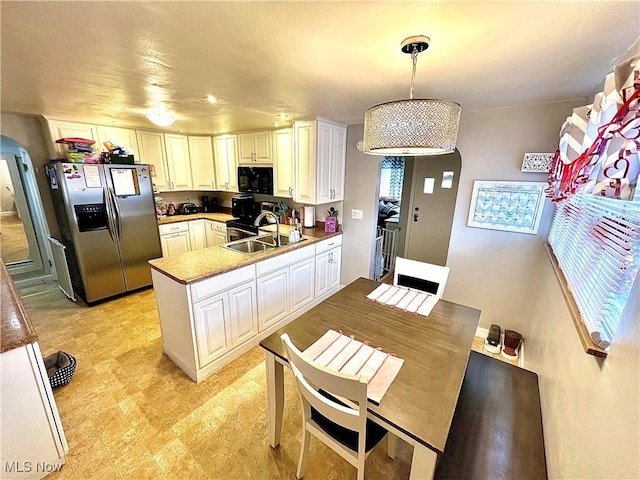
328, 244
284, 260
220, 227
173, 227
223, 282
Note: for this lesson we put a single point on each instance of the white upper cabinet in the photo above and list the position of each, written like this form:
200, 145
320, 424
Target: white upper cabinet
178, 161
151, 147
61, 129
320, 149
202, 170
283, 162
120, 137
226, 162
255, 147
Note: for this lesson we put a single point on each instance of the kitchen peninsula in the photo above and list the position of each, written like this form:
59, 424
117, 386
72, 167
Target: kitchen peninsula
215, 303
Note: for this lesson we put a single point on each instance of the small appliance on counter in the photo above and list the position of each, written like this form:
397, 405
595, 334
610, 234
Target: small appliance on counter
209, 204
188, 208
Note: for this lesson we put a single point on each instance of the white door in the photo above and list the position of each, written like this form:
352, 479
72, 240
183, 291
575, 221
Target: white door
61, 129
175, 243
304, 189
120, 137
283, 163
151, 146
178, 161
202, 171
245, 148
324, 192
272, 298
322, 273
226, 162
262, 147
337, 161
335, 263
221, 237
210, 233
243, 319
301, 283
197, 234
212, 337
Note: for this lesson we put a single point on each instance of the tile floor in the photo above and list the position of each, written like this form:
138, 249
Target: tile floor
130, 413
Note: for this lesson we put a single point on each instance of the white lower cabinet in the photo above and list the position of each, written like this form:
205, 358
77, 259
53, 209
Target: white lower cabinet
285, 284
328, 265
224, 321
197, 235
216, 233
174, 238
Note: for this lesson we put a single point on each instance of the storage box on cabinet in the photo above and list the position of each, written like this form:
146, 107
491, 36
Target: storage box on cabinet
225, 281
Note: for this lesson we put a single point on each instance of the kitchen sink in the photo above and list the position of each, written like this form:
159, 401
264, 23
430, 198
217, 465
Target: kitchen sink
271, 239
251, 245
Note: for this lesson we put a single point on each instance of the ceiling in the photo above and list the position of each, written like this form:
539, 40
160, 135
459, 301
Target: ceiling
110, 62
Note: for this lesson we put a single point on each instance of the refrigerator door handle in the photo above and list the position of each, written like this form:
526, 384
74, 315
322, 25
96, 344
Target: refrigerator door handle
116, 210
107, 206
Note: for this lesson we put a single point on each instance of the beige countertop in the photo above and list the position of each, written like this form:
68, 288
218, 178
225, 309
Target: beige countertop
15, 326
216, 217
198, 265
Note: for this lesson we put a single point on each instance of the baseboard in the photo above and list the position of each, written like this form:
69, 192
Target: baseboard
484, 332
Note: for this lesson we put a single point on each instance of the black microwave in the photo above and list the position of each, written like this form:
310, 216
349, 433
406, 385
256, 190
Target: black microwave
255, 180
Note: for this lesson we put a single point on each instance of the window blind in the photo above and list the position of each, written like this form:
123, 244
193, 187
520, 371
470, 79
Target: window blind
597, 243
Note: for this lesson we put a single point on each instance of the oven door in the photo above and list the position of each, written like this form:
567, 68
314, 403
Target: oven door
235, 233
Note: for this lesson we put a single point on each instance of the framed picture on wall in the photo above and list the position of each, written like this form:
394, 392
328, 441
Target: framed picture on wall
509, 206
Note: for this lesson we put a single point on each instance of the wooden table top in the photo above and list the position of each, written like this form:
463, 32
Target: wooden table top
422, 399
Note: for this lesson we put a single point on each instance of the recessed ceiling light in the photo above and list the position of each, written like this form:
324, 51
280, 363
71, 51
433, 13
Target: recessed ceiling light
162, 119
276, 124
116, 122
211, 99
181, 131
283, 116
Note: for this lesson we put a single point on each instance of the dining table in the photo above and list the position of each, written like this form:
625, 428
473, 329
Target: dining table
419, 404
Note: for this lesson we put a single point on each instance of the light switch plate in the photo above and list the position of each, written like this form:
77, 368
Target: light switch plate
357, 214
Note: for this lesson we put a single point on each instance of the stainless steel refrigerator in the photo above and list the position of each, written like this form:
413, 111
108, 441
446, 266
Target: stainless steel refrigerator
107, 221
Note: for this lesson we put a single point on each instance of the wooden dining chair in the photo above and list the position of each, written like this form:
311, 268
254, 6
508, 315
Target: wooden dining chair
421, 276
341, 424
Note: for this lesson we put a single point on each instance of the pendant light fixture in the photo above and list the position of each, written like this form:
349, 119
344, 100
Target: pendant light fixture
161, 118
413, 127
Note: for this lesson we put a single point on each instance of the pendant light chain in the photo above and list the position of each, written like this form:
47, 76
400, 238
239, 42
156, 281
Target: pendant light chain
414, 57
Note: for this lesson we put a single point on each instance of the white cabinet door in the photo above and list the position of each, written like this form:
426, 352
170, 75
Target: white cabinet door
322, 274
243, 320
272, 298
212, 335
304, 189
221, 237
202, 170
151, 147
339, 152
324, 192
335, 264
262, 147
61, 129
301, 277
178, 161
210, 233
175, 243
216, 233
120, 137
245, 147
283, 162
197, 234
226, 162
255, 147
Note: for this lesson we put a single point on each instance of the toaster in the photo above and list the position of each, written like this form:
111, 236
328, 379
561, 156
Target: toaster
188, 208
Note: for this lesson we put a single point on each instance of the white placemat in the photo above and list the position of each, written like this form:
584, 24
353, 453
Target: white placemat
407, 299
347, 355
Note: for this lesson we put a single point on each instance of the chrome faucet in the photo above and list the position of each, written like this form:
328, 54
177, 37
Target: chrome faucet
263, 215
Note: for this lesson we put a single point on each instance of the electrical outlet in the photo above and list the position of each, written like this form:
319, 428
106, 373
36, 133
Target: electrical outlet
357, 214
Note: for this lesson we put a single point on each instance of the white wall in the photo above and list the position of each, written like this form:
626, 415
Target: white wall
590, 406
361, 192
493, 270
